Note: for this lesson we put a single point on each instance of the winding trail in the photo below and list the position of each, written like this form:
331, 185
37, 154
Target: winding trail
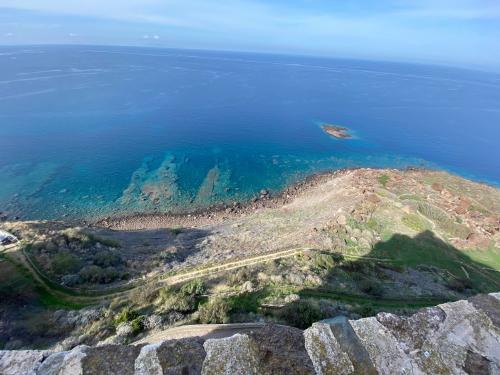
209, 271
72, 296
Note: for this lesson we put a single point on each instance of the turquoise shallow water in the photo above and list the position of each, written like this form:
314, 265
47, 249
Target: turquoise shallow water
91, 131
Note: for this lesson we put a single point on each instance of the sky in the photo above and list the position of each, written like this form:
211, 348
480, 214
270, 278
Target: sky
453, 32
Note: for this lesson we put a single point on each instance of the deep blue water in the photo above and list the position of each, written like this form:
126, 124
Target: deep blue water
89, 131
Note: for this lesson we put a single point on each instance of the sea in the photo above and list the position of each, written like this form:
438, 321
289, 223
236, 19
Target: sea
92, 131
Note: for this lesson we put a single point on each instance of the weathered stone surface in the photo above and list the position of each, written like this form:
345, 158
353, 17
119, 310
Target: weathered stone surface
118, 360
412, 331
465, 329
383, 348
453, 338
281, 350
234, 355
489, 305
173, 357
64, 363
352, 345
21, 361
84, 360
325, 351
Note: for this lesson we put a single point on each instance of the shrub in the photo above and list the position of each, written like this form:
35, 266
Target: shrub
87, 240
324, 261
107, 259
245, 303
393, 267
337, 257
65, 263
110, 274
137, 325
194, 287
96, 274
357, 266
126, 315
432, 212
239, 277
301, 314
144, 294
91, 274
460, 285
370, 287
105, 241
215, 311
366, 310
77, 235
176, 301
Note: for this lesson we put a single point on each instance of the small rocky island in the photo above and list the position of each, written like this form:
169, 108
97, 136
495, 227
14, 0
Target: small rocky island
336, 131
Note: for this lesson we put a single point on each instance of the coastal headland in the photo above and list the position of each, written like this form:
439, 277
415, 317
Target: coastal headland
351, 242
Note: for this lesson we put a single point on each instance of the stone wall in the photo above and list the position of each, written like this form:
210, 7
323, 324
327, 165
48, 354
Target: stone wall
454, 338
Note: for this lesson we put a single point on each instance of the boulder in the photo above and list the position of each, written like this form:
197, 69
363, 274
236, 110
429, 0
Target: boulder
281, 350
383, 348
230, 356
24, 362
453, 338
325, 351
173, 357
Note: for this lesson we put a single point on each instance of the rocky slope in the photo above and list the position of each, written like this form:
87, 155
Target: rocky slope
351, 242
454, 338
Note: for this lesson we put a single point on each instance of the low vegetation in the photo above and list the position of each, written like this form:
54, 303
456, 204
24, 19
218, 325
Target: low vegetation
412, 244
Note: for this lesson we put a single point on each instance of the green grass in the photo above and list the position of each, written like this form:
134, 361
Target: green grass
383, 180
427, 249
443, 221
372, 300
490, 258
20, 283
415, 222
410, 197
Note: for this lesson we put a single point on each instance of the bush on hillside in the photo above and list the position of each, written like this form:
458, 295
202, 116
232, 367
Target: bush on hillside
107, 259
125, 315
215, 311
177, 301
301, 314
194, 287
370, 287
65, 263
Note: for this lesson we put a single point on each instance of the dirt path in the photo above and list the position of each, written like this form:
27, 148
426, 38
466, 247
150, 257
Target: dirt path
209, 271
207, 331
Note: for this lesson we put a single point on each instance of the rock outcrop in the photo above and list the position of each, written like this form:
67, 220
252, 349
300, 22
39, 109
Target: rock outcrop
453, 338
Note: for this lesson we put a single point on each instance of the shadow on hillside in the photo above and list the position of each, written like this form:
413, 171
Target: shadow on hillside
27, 306
103, 259
427, 250
181, 243
429, 271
